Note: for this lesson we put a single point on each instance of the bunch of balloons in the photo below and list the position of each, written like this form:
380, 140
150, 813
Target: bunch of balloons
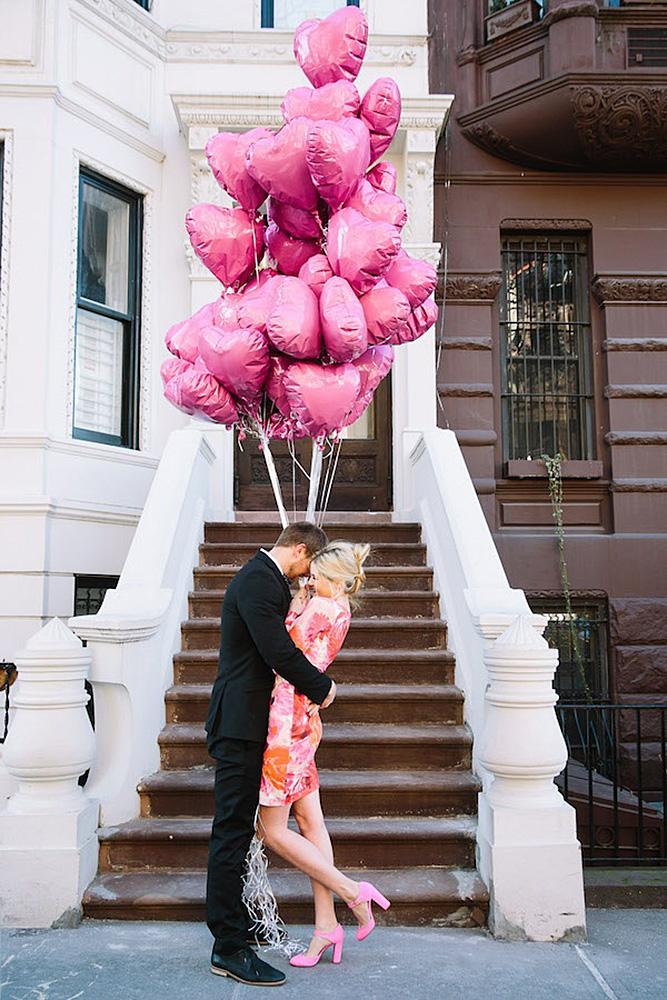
296, 347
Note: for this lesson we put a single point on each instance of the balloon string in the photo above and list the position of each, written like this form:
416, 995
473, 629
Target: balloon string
273, 476
315, 476
325, 502
254, 243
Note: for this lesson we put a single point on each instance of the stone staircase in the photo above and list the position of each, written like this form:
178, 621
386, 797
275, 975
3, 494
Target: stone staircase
394, 763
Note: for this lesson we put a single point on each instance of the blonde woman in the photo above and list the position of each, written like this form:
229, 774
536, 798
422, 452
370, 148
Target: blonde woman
318, 621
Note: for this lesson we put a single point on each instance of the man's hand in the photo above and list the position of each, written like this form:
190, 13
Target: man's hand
330, 697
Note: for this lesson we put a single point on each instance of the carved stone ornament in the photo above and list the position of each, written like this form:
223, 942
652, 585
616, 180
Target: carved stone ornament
622, 125
517, 15
487, 137
546, 225
472, 287
612, 289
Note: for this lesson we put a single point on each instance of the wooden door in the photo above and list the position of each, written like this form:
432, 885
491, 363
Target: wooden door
363, 478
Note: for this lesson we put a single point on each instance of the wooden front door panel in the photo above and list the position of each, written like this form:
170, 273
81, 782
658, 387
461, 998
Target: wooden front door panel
363, 478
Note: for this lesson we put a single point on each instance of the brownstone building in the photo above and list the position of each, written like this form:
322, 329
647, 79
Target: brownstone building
551, 200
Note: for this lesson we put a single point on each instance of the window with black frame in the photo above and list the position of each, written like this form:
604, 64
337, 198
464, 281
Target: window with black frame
146, 4
106, 369
545, 340
581, 640
288, 14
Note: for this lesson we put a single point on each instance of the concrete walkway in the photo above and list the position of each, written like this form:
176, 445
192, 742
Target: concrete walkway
626, 956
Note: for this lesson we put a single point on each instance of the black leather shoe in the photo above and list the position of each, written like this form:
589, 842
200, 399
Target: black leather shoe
245, 967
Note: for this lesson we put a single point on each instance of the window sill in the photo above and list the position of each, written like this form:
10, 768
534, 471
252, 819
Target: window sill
521, 468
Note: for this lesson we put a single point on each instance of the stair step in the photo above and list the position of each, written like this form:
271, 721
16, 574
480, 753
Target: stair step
420, 896
367, 666
374, 842
372, 604
262, 534
402, 578
344, 793
382, 554
344, 745
354, 703
364, 633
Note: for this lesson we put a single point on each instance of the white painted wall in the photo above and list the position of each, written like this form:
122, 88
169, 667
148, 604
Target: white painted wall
135, 94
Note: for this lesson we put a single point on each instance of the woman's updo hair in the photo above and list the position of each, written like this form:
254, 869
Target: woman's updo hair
342, 563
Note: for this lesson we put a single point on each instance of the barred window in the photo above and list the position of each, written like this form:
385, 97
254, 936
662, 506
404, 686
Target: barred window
583, 676
288, 14
547, 398
89, 593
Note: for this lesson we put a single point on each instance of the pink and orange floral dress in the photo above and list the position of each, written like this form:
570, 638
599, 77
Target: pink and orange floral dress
289, 771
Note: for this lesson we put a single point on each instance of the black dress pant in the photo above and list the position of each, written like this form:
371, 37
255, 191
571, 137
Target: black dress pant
237, 780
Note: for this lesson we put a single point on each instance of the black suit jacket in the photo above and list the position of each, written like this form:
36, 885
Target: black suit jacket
254, 642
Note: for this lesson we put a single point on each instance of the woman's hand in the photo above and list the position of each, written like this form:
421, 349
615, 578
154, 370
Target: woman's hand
300, 600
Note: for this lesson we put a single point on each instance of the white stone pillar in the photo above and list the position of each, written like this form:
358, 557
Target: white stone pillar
529, 855
48, 828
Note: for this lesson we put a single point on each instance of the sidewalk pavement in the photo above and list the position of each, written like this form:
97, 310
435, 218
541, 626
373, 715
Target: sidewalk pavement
626, 956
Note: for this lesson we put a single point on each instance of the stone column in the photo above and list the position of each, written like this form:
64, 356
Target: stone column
529, 855
48, 828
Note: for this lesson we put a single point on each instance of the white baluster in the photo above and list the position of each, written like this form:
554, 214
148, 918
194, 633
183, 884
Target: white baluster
48, 828
529, 853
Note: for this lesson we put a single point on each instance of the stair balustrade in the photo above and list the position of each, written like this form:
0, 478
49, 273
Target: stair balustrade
527, 850
137, 630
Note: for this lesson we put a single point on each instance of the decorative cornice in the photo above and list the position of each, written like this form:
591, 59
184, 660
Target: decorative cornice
636, 438
546, 225
472, 287
636, 391
639, 344
622, 123
275, 47
131, 20
629, 289
589, 9
639, 486
7, 142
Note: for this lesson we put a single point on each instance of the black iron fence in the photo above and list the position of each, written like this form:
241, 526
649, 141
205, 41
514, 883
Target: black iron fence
7, 678
616, 779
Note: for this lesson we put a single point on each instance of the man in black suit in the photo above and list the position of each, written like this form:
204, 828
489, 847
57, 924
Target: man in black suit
254, 643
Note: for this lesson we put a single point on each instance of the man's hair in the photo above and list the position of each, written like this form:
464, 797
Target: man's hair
303, 533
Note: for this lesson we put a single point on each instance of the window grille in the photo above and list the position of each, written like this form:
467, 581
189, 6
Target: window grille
589, 625
545, 348
647, 47
89, 593
106, 370
288, 14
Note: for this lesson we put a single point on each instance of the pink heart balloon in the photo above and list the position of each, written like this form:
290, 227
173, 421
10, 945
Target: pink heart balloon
238, 358
316, 272
226, 310
257, 301
360, 250
337, 154
381, 112
294, 221
343, 321
197, 390
279, 365
171, 367
386, 310
373, 366
383, 177
284, 428
332, 101
289, 252
419, 321
293, 325
226, 155
223, 240
334, 48
182, 339
321, 396
415, 278
378, 206
279, 165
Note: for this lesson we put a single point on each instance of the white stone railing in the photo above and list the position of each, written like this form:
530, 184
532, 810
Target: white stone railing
527, 849
137, 630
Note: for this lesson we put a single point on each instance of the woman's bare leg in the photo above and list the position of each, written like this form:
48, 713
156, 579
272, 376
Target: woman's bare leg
308, 814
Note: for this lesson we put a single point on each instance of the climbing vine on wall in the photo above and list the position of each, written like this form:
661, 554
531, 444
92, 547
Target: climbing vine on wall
555, 484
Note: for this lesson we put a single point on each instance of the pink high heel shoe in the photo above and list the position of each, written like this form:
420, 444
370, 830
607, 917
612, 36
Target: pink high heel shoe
334, 938
367, 894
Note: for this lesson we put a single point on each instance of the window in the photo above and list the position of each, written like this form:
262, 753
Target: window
146, 4
288, 14
89, 593
106, 379
545, 346
586, 631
